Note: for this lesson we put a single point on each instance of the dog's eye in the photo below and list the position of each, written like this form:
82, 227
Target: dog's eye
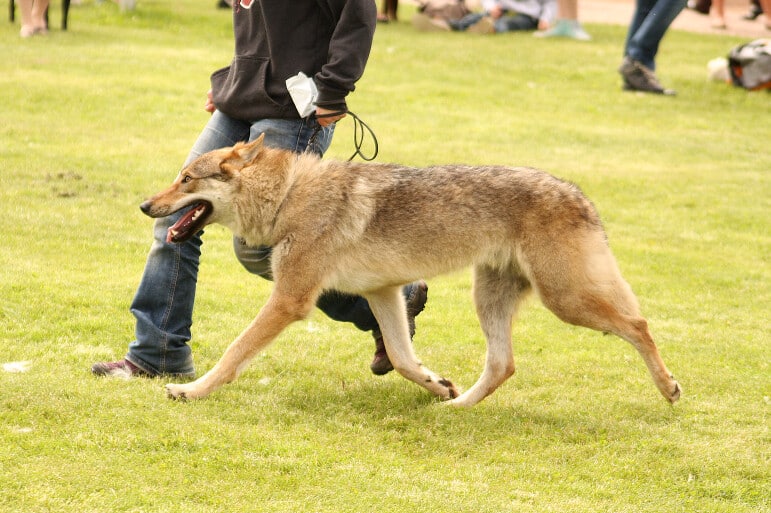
187, 178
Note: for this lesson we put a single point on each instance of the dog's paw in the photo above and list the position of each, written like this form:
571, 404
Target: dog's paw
675, 394
460, 402
176, 392
451, 390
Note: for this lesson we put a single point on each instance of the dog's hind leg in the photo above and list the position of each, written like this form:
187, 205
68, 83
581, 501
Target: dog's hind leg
497, 295
597, 297
635, 331
280, 311
388, 306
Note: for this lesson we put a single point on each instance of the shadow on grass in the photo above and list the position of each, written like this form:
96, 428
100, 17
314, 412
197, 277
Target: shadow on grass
393, 408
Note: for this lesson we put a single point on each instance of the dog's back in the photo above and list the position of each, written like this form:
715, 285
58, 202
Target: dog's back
396, 224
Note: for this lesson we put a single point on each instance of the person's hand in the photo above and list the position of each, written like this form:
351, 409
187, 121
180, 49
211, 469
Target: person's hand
326, 121
209, 106
496, 12
543, 25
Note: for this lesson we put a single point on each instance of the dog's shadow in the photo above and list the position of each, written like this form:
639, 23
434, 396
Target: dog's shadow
393, 408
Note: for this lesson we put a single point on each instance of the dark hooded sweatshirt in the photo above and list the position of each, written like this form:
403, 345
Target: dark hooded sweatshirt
328, 40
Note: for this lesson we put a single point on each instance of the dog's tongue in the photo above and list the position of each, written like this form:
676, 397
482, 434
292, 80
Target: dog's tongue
189, 224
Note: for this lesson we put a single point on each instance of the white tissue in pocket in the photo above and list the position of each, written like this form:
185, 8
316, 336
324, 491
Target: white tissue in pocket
303, 92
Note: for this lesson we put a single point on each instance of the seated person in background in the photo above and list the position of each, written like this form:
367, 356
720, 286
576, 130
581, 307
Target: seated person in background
508, 15
435, 15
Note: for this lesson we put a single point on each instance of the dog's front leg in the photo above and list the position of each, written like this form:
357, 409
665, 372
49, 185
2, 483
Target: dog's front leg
280, 311
389, 309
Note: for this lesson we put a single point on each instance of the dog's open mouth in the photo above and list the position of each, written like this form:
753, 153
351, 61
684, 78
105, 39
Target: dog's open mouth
190, 223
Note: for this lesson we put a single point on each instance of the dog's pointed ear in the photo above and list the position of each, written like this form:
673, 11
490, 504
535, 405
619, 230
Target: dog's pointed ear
249, 151
242, 154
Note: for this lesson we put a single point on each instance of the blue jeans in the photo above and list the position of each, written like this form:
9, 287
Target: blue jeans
508, 22
650, 22
163, 304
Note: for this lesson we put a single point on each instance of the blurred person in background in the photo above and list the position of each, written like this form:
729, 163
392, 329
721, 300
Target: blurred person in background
33, 17
650, 22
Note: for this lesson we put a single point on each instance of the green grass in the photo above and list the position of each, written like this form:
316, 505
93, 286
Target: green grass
95, 119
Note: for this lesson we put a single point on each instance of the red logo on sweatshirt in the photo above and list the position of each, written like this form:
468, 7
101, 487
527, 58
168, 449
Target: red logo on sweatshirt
246, 4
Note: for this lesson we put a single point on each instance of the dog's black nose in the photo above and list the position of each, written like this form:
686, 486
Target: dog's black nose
145, 207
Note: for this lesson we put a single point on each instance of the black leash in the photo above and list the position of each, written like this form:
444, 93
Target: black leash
359, 128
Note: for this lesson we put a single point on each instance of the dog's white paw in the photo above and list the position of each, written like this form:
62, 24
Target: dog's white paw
459, 402
177, 392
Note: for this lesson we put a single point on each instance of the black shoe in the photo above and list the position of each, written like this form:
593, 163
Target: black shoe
638, 77
753, 13
416, 302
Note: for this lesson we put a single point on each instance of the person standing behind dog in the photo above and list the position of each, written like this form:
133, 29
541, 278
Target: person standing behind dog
327, 40
650, 22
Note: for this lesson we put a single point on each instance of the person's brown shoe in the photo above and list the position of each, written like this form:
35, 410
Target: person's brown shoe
125, 369
380, 365
120, 369
416, 302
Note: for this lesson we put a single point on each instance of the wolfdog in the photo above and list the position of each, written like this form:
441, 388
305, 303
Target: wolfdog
368, 229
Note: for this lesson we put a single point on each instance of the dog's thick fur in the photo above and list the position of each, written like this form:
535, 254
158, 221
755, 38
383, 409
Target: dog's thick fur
369, 229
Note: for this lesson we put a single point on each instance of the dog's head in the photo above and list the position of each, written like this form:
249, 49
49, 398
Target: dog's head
207, 187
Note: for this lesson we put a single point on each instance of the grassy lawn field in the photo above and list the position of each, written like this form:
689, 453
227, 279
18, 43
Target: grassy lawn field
95, 119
